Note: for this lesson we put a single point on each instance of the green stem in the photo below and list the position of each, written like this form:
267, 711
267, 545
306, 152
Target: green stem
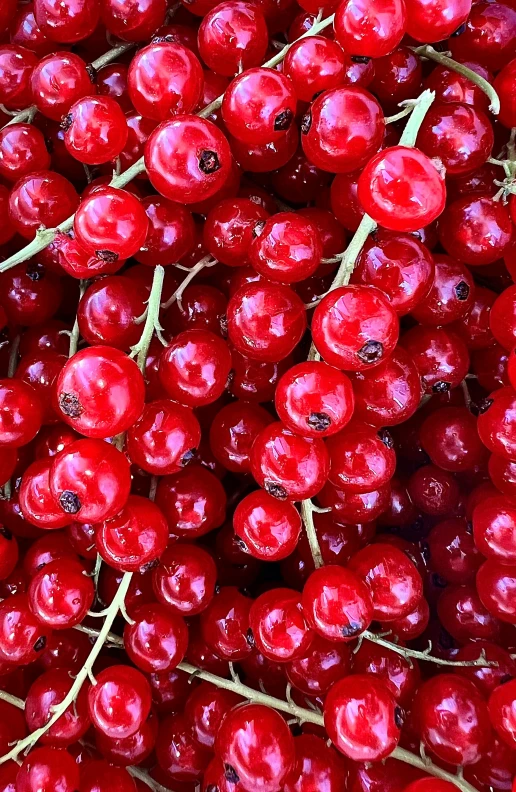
427, 51
84, 673
307, 512
152, 325
301, 714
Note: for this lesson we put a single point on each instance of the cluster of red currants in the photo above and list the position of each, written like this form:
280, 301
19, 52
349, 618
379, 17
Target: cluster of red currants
258, 396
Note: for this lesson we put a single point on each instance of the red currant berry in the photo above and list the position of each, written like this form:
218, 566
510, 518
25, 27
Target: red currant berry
364, 726
111, 224
233, 37
22, 151
354, 327
185, 579
48, 769
42, 198
441, 357
120, 701
22, 635
100, 392
452, 719
171, 233
133, 21
259, 106
135, 537
194, 368
188, 159
225, 624
90, 480
287, 248
268, 528
401, 189
278, 625
255, 743
57, 82
66, 21
164, 79
47, 693
21, 413
157, 638
450, 438
361, 458
336, 603
233, 432
288, 466
475, 229
388, 394
315, 64
370, 29
342, 129
61, 594
164, 438
265, 321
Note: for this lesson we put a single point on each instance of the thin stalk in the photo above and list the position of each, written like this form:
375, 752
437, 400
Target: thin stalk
207, 261
307, 515
427, 51
45, 236
302, 715
74, 335
152, 325
81, 677
14, 700
141, 775
404, 651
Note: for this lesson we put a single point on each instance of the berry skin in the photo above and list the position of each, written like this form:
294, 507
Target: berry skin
57, 82
157, 640
233, 432
342, 129
133, 21
389, 393
194, 367
288, 248
430, 21
111, 224
90, 481
314, 399
354, 328
225, 624
278, 625
109, 311
21, 413
504, 86
259, 106
178, 752
22, 151
314, 64
451, 294
395, 583
397, 264
450, 438
265, 321
100, 392
502, 322
61, 594
362, 718
164, 438
133, 538
337, 603
441, 357
501, 711
453, 554
401, 189
496, 423
171, 233
452, 719
232, 37
16, 67
475, 229
185, 579
165, 79
494, 529
193, 501
459, 135
120, 701
188, 159
289, 467
268, 528
370, 30
256, 744
42, 198
48, 769
489, 36
95, 130
317, 766
229, 230
361, 458
37, 504
66, 21
22, 636
496, 584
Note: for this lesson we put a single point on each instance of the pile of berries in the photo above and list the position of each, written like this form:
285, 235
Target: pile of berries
257, 396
